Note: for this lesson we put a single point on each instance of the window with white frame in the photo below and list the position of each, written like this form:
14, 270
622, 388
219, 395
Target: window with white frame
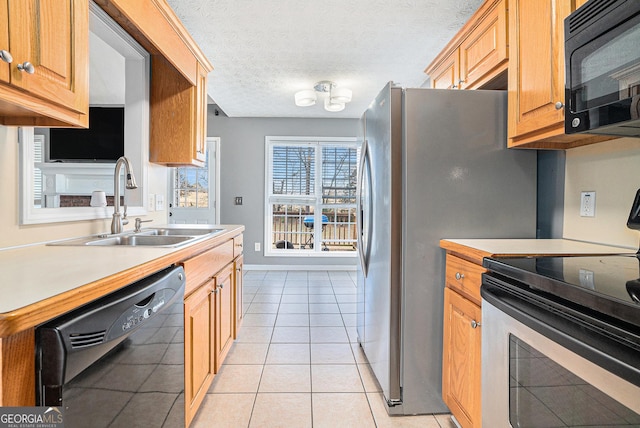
311, 196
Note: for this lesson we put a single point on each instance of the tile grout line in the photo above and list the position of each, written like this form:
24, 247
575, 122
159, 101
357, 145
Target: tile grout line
310, 342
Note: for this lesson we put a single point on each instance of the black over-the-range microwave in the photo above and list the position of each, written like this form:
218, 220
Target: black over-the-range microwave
602, 62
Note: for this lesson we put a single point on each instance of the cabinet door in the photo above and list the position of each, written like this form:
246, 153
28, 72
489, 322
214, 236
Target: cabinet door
178, 116
200, 121
447, 74
536, 75
484, 53
238, 295
52, 35
199, 346
461, 381
225, 314
4, 39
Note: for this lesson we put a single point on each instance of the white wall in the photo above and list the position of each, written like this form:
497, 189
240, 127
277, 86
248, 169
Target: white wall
12, 234
612, 170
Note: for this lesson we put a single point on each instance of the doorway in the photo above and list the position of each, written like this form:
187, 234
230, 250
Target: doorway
194, 192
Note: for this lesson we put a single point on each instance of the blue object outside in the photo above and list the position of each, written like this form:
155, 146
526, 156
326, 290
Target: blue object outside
308, 220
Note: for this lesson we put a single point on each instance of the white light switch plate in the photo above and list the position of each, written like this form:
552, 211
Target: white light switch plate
159, 202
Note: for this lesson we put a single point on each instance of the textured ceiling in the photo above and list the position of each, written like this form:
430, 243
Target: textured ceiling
263, 51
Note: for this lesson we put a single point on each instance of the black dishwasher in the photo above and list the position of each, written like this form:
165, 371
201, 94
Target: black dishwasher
119, 360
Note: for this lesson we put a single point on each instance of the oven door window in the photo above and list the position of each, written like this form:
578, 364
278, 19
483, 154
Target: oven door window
543, 393
606, 70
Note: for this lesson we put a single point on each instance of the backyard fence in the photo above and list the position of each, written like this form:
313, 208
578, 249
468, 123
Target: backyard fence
339, 233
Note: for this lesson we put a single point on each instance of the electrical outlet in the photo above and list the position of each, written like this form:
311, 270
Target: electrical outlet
159, 202
257, 246
151, 205
588, 204
586, 279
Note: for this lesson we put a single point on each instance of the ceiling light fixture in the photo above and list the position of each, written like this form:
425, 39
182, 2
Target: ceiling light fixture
335, 100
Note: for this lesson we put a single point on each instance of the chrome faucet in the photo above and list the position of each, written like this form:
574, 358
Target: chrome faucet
130, 183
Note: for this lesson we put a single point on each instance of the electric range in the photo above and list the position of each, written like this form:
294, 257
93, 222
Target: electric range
607, 285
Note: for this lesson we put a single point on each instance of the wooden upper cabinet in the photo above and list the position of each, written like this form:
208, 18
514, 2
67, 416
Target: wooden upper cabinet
446, 75
179, 72
477, 57
200, 122
537, 77
4, 40
47, 83
178, 117
483, 53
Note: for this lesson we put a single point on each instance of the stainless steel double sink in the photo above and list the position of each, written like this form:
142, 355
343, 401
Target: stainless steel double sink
151, 237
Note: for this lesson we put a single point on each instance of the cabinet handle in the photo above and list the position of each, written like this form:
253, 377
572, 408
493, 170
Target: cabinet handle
214, 291
454, 86
475, 324
559, 105
221, 285
6, 56
460, 82
27, 66
459, 276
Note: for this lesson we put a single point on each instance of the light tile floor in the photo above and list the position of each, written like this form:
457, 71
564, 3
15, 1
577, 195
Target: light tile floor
297, 363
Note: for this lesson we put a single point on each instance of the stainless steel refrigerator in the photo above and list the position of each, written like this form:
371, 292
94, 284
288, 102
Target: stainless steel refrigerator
434, 164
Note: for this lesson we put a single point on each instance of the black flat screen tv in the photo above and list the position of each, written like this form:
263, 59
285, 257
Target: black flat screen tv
103, 141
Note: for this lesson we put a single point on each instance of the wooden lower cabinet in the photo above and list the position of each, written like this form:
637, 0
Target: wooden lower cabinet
199, 338
214, 292
224, 314
461, 350
461, 381
239, 262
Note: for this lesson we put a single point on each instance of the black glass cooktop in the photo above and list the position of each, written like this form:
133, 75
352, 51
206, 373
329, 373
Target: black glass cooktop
606, 284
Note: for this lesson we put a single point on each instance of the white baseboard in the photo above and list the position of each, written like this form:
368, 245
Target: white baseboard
247, 267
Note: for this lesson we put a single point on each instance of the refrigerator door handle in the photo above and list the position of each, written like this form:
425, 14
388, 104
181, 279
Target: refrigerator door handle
364, 163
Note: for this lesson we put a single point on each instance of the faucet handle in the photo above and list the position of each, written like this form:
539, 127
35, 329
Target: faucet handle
125, 220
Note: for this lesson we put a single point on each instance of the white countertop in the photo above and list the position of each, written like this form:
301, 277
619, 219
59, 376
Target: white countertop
539, 246
33, 274
39, 272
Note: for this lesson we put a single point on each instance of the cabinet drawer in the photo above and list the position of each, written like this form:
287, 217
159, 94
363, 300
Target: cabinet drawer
464, 277
238, 245
204, 266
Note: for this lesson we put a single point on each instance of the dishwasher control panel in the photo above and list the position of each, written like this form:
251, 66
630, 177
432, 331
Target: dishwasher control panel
143, 311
